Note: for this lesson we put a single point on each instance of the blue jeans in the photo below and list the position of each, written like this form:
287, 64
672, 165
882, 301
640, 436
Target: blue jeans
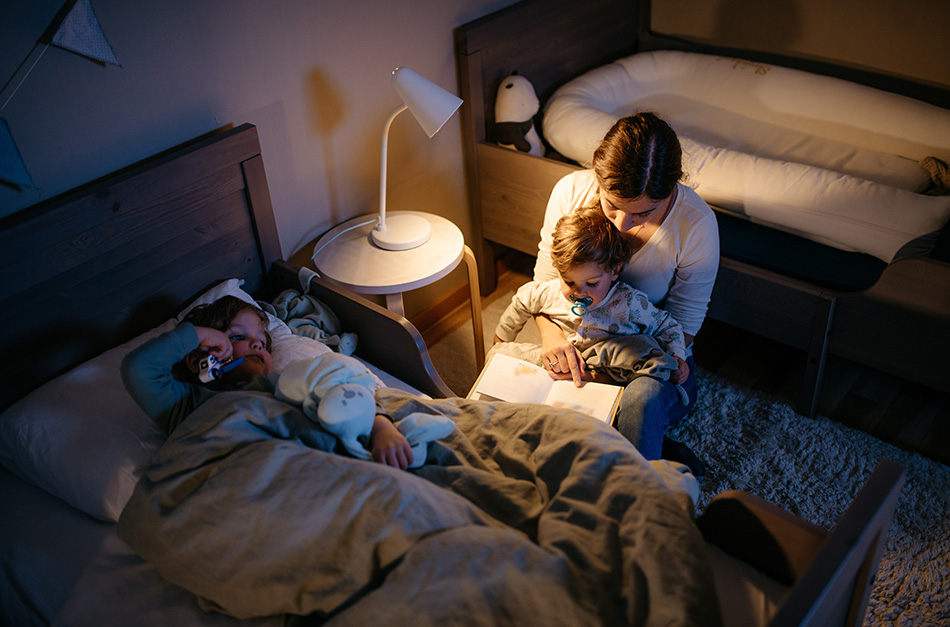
649, 406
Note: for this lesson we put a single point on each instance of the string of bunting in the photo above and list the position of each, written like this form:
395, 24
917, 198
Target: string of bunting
74, 28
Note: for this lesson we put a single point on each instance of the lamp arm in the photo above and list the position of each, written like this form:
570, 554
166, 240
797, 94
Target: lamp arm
381, 225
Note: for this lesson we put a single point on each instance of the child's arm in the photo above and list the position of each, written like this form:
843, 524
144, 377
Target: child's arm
523, 307
389, 446
147, 375
658, 323
669, 332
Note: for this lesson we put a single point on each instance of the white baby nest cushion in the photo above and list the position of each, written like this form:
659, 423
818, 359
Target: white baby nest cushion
799, 137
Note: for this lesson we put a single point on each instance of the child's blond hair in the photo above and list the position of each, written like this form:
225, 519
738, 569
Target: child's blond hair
587, 236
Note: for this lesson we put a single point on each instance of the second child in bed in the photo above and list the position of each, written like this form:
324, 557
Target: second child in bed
162, 374
617, 331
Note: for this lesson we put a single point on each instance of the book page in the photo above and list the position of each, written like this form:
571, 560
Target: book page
510, 379
594, 399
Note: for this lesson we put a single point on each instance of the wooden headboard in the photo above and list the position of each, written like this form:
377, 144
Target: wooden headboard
549, 42
102, 264
99, 265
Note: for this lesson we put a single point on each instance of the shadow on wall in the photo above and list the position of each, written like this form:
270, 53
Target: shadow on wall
326, 115
758, 25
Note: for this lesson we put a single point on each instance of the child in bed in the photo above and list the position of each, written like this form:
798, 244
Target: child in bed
162, 374
606, 319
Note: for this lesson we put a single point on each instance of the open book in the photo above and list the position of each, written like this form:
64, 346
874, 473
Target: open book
509, 379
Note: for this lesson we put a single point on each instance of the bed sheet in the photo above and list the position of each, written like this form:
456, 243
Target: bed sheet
64, 567
525, 515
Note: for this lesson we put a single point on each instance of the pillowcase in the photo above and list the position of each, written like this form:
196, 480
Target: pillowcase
82, 438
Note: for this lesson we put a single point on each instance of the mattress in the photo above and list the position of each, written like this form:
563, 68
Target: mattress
815, 156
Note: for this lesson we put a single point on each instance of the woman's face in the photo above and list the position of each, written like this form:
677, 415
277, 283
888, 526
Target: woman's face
627, 215
588, 280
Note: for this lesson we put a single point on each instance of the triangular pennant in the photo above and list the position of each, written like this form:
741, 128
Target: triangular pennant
81, 33
12, 169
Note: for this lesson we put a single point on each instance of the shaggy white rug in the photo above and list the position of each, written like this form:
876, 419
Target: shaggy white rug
813, 468
810, 467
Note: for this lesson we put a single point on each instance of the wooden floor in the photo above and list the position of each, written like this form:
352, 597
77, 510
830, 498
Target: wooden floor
908, 415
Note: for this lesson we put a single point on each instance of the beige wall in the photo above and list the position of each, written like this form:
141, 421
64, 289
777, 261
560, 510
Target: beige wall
907, 38
313, 75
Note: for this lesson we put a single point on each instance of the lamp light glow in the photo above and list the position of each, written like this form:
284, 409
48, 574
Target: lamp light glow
432, 107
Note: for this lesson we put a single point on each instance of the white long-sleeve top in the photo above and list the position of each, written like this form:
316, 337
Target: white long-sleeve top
676, 268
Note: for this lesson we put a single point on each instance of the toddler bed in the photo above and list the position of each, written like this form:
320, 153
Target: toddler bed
249, 515
825, 237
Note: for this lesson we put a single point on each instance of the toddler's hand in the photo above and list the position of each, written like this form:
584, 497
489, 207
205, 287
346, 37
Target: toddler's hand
680, 374
214, 342
389, 446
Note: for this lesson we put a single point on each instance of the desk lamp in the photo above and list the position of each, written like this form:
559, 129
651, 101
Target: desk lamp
432, 106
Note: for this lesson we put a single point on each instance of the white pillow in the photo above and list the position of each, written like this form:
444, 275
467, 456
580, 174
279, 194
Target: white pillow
82, 438
834, 209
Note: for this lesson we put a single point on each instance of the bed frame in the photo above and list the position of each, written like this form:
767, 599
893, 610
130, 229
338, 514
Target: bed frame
829, 573
552, 41
97, 266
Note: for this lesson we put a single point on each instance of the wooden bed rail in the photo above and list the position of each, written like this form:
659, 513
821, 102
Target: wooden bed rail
386, 340
831, 573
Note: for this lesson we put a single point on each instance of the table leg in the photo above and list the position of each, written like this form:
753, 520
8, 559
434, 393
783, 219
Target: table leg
476, 298
394, 304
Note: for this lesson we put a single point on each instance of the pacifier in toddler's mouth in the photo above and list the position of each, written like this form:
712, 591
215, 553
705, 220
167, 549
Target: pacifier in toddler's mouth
580, 304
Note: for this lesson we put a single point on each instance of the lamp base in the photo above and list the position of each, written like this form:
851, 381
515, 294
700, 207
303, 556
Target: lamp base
403, 231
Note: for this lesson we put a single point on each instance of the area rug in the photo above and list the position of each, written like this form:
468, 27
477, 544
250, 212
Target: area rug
813, 468
810, 467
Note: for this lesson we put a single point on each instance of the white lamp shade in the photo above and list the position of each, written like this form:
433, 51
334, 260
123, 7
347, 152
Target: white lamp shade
431, 105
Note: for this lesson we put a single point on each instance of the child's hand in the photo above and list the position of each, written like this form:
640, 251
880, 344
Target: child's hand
680, 374
389, 446
214, 342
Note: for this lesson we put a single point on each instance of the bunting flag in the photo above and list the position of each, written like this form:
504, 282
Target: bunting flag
81, 33
12, 169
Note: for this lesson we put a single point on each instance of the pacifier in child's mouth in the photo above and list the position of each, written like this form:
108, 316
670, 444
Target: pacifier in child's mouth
580, 304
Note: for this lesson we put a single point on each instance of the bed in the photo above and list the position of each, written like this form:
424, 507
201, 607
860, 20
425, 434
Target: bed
248, 514
806, 165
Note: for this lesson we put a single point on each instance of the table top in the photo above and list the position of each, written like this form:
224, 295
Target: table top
353, 261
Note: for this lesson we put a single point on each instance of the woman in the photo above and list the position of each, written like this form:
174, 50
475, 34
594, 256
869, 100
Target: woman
635, 180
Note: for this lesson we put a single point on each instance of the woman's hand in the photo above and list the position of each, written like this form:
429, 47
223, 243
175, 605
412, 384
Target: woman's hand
561, 358
680, 374
389, 446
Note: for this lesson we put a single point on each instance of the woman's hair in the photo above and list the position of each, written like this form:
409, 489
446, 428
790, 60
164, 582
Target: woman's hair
218, 315
640, 155
586, 236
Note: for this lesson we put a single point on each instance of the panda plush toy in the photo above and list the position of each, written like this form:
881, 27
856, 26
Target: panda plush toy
515, 107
